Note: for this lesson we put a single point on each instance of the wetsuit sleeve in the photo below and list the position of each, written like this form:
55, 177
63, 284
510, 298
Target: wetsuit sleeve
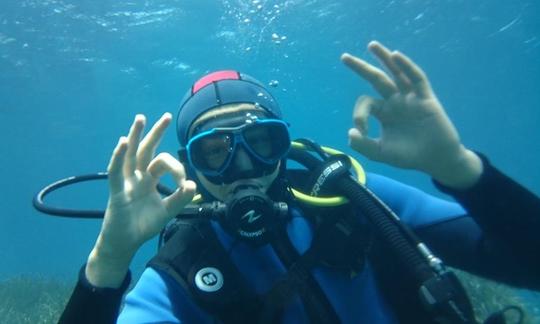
502, 235
89, 304
492, 231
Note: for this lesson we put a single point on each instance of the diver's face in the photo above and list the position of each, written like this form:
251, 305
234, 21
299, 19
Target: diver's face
241, 162
222, 191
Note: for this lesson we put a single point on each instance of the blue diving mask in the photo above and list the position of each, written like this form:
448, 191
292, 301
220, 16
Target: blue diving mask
212, 151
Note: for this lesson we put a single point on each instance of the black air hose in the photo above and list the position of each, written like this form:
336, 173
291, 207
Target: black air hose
40, 205
439, 289
378, 214
389, 231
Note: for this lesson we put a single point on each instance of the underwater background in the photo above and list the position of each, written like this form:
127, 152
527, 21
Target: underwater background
74, 73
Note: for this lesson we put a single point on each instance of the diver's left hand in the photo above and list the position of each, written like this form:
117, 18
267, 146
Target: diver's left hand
416, 133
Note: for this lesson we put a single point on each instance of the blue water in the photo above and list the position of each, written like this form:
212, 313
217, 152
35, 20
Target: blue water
74, 73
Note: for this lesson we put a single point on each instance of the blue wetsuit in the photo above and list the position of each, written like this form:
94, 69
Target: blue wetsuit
452, 230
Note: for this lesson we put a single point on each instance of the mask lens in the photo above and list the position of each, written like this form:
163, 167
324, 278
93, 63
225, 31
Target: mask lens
211, 152
268, 140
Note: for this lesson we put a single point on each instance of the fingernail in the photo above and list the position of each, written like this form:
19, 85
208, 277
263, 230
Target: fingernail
140, 117
372, 44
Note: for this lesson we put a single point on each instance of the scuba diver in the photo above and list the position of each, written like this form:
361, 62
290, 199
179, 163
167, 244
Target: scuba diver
254, 249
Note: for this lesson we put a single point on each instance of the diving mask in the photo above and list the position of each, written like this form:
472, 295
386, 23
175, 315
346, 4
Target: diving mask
211, 151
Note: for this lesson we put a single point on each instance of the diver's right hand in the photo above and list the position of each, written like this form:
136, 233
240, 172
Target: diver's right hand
136, 212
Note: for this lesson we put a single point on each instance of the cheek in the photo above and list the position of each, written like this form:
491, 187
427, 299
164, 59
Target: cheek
218, 191
269, 179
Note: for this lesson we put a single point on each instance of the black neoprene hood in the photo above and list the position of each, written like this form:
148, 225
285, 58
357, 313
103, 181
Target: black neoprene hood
218, 89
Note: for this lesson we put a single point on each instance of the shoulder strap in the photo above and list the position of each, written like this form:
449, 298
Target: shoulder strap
297, 279
195, 258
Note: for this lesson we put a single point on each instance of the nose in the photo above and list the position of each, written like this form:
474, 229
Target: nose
241, 160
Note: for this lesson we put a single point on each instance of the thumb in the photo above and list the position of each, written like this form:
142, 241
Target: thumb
180, 198
369, 147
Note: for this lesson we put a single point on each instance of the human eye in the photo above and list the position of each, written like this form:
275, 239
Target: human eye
215, 151
260, 141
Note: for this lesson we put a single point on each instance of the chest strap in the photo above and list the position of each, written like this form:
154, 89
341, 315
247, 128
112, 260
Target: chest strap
298, 279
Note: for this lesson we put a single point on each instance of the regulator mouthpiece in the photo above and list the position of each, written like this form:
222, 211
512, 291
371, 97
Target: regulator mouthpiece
251, 215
